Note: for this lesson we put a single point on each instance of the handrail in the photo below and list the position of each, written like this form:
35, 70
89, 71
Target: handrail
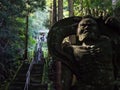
37, 57
8, 84
28, 75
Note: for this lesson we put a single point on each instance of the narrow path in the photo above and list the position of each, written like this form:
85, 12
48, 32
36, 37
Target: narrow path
35, 78
29, 76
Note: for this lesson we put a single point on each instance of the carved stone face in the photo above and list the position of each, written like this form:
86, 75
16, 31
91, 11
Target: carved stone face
87, 29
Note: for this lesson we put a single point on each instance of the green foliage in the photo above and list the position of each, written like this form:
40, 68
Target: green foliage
12, 32
92, 7
11, 8
117, 4
37, 21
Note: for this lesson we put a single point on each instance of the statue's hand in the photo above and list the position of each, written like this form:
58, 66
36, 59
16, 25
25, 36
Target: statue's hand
94, 50
111, 20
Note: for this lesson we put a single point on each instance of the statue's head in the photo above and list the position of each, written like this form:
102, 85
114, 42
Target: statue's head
87, 28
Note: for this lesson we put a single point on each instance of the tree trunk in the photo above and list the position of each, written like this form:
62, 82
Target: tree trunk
58, 63
71, 13
70, 6
50, 15
54, 13
60, 9
26, 38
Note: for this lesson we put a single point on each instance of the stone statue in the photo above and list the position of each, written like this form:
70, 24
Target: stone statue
94, 55
91, 59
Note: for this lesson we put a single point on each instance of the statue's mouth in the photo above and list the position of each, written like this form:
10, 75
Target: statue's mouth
87, 31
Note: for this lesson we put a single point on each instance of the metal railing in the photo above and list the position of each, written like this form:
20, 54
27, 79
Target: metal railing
27, 83
38, 55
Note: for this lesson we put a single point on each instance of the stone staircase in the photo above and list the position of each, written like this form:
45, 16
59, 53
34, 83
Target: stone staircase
35, 78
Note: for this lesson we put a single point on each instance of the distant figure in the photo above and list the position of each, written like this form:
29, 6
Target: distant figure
42, 38
39, 56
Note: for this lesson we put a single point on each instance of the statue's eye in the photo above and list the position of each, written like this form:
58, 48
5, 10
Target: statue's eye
83, 25
81, 31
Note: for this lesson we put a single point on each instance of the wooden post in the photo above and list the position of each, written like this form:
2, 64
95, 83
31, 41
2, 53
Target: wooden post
58, 75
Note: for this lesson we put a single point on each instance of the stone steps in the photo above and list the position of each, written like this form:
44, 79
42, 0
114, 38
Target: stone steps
35, 78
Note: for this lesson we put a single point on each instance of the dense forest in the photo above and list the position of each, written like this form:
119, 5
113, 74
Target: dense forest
14, 17
21, 21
